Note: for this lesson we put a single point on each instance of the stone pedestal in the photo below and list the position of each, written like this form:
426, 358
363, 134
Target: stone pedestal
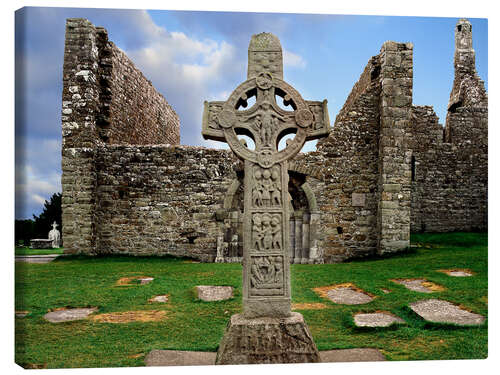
40, 243
267, 340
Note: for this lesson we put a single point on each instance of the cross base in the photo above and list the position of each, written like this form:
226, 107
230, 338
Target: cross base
266, 307
267, 340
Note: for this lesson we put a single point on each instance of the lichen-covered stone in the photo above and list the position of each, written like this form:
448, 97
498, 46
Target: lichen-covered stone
267, 340
210, 293
67, 315
439, 311
376, 319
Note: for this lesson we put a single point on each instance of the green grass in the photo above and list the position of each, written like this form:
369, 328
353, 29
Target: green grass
27, 251
198, 325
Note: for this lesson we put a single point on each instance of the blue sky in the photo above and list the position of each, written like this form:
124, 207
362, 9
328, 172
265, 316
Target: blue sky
196, 56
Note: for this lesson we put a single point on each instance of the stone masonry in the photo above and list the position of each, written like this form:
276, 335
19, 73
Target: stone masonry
386, 168
106, 100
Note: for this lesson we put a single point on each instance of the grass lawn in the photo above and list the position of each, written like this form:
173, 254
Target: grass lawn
27, 251
191, 324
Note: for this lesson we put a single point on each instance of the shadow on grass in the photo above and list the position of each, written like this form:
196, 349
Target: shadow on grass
453, 239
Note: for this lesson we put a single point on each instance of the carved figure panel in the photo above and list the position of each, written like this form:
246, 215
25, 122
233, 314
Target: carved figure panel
266, 276
266, 232
266, 190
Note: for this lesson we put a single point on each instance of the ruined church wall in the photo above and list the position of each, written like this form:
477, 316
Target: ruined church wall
345, 181
132, 111
450, 180
157, 200
80, 104
394, 200
97, 77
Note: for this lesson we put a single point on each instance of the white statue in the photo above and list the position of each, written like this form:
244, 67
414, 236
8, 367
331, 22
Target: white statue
55, 236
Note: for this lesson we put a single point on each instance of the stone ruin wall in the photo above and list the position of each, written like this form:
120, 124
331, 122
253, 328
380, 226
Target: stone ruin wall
347, 161
449, 179
161, 199
450, 164
131, 110
97, 77
146, 197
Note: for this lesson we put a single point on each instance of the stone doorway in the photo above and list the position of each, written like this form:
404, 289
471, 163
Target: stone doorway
304, 222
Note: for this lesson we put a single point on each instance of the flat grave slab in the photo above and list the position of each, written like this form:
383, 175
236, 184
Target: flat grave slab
179, 358
134, 280
21, 313
346, 294
376, 319
457, 272
308, 306
160, 299
67, 315
419, 285
131, 316
439, 311
352, 355
145, 280
210, 293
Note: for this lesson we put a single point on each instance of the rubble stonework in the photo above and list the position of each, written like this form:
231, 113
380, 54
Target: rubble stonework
105, 100
386, 167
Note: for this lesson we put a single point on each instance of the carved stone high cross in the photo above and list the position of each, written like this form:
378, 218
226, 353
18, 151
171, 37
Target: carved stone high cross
266, 238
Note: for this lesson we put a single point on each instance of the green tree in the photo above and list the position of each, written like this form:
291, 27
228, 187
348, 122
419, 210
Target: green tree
24, 231
52, 211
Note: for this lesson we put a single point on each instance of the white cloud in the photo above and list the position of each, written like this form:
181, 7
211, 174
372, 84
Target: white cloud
187, 71
37, 199
38, 173
293, 60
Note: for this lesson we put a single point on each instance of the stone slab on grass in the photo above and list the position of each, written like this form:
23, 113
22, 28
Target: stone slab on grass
67, 315
439, 311
145, 280
134, 280
142, 316
376, 319
346, 294
210, 293
186, 358
308, 306
179, 358
457, 272
352, 355
160, 299
419, 285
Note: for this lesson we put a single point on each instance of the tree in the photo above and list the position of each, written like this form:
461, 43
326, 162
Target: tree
52, 211
24, 231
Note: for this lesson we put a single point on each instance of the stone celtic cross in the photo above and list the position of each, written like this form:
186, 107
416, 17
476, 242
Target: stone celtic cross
266, 263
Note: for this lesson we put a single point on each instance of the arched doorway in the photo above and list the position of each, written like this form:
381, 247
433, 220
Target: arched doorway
304, 222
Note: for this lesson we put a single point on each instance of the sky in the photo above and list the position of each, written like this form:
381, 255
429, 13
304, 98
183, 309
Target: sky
195, 56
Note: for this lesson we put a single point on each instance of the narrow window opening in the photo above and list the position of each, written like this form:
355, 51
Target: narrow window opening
340, 230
